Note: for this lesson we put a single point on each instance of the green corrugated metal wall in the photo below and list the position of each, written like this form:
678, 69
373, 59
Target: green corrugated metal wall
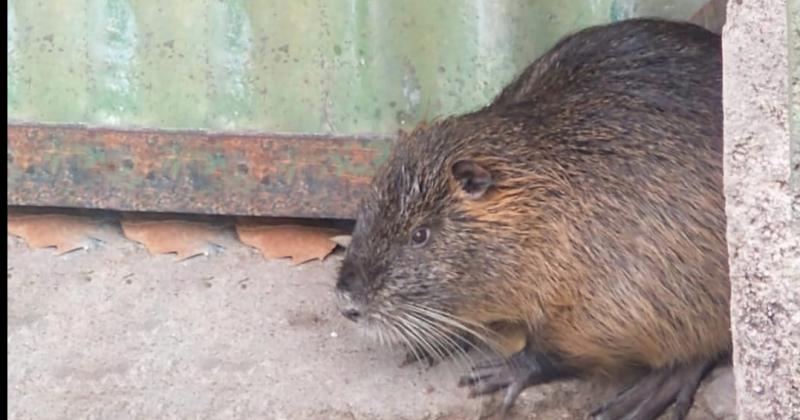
313, 66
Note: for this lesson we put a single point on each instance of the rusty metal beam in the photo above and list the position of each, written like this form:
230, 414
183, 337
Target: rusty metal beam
191, 172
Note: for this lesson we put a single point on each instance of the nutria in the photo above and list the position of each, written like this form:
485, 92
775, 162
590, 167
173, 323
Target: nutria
583, 207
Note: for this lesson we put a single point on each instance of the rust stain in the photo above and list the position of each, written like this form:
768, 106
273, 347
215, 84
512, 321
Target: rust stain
28, 153
197, 172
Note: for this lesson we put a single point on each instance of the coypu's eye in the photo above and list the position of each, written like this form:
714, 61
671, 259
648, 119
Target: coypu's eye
420, 236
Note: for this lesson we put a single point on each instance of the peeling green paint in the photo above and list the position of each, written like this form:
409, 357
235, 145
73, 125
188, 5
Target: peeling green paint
345, 165
217, 162
229, 52
95, 157
112, 42
621, 9
672, 9
49, 73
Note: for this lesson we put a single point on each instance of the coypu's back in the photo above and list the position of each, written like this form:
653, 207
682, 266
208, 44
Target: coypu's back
675, 67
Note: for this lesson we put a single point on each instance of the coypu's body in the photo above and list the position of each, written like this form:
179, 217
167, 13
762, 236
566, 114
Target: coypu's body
584, 206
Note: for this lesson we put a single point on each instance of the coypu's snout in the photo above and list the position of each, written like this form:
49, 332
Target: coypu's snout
349, 294
350, 309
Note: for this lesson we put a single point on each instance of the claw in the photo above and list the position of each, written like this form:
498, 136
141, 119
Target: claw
514, 374
512, 393
413, 357
481, 372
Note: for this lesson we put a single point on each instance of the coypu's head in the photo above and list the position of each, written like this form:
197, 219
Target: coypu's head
433, 235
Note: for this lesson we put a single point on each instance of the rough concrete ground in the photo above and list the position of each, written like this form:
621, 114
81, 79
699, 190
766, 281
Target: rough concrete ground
114, 333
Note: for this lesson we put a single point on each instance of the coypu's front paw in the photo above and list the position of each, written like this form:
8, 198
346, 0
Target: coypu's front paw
521, 370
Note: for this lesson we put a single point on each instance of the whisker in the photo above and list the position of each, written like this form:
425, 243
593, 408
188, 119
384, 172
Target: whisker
402, 336
380, 336
455, 335
420, 337
446, 339
458, 324
420, 326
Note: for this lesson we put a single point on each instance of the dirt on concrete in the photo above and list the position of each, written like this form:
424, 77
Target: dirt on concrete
115, 333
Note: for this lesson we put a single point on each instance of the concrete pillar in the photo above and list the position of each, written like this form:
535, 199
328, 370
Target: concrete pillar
762, 187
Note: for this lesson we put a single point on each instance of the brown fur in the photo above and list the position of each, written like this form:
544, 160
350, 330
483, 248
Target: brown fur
603, 231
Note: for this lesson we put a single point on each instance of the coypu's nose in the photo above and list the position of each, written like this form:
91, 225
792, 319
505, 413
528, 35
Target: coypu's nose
349, 290
351, 313
349, 308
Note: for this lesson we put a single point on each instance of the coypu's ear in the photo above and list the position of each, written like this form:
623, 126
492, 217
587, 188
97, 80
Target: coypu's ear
475, 180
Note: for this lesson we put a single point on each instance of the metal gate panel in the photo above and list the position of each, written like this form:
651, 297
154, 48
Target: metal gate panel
305, 94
